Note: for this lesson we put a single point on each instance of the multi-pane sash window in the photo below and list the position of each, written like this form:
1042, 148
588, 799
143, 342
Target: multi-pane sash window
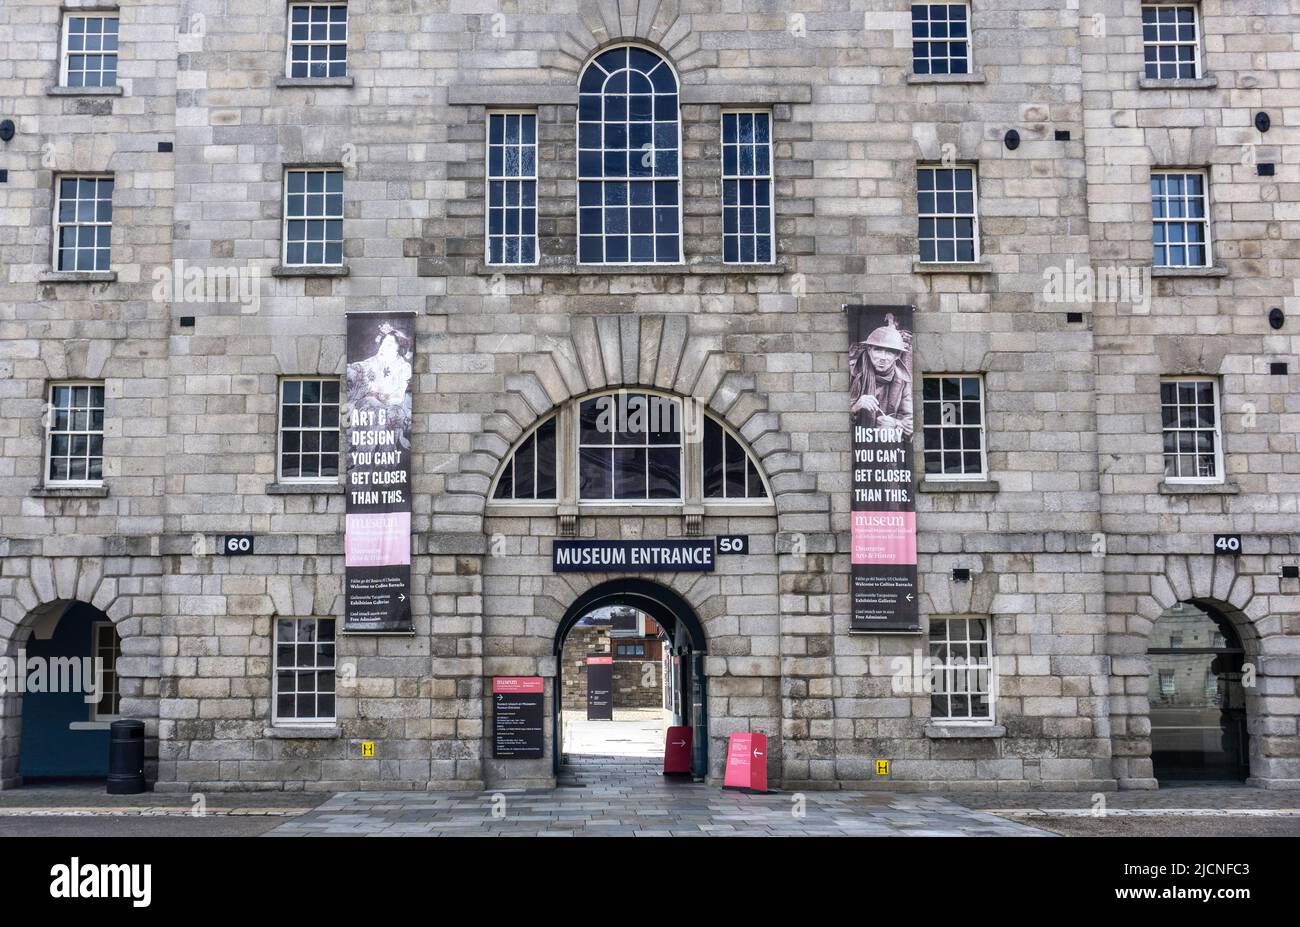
940, 38
629, 448
512, 188
83, 223
953, 434
530, 471
961, 662
1180, 223
1189, 419
947, 223
313, 216
75, 448
304, 669
318, 40
1170, 44
747, 188
309, 430
89, 51
107, 647
729, 472
629, 174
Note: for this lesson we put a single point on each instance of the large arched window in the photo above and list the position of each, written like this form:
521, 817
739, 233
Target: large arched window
631, 446
629, 160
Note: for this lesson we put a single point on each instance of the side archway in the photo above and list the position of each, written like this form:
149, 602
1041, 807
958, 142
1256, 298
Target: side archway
31, 614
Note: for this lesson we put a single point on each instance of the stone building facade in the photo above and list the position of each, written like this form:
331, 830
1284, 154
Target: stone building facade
1074, 540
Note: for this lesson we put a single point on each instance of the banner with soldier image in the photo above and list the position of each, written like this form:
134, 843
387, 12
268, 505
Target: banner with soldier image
377, 533
883, 541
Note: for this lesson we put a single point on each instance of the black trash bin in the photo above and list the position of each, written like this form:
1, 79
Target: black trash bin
126, 758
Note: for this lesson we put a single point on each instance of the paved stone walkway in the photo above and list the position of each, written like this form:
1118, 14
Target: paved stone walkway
615, 797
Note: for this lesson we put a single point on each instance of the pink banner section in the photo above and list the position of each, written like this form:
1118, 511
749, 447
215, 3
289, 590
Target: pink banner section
884, 537
378, 539
507, 684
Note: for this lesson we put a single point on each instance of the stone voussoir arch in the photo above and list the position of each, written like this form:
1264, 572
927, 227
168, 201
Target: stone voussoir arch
51, 586
633, 350
656, 24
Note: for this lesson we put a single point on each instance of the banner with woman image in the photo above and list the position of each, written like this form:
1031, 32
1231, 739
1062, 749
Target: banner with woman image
377, 532
882, 585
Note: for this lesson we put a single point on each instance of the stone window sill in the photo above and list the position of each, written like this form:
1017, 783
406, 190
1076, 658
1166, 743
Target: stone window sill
304, 732
938, 731
69, 492
303, 489
309, 270
1198, 489
976, 77
1189, 271
958, 486
935, 267
571, 268
759, 508
314, 81
77, 276
84, 91
1208, 82
90, 726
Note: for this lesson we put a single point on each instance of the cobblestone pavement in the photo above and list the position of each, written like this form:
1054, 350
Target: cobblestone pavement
618, 798
1202, 799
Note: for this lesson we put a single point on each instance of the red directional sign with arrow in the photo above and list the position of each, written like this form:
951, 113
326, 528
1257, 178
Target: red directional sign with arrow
746, 762
677, 752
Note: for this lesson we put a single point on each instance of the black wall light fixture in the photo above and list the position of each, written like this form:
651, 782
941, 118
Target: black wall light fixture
1262, 122
1276, 318
961, 574
1011, 140
7, 129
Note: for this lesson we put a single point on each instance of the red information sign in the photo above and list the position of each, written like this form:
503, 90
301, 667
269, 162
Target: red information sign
677, 752
746, 762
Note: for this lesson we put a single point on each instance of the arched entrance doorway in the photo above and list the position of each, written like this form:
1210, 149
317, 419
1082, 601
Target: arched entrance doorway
683, 659
62, 693
1198, 707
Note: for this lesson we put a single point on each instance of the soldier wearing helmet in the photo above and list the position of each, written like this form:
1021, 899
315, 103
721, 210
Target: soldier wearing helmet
880, 383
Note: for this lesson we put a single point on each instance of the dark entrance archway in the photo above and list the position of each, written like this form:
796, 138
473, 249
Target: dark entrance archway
688, 646
1198, 706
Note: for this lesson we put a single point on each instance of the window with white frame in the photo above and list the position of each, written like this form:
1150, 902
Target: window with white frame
313, 216
1171, 44
940, 38
947, 217
1189, 420
629, 170
729, 471
75, 434
747, 221
89, 51
530, 471
1180, 219
106, 647
512, 188
318, 40
83, 222
309, 430
952, 407
304, 670
629, 447
961, 666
